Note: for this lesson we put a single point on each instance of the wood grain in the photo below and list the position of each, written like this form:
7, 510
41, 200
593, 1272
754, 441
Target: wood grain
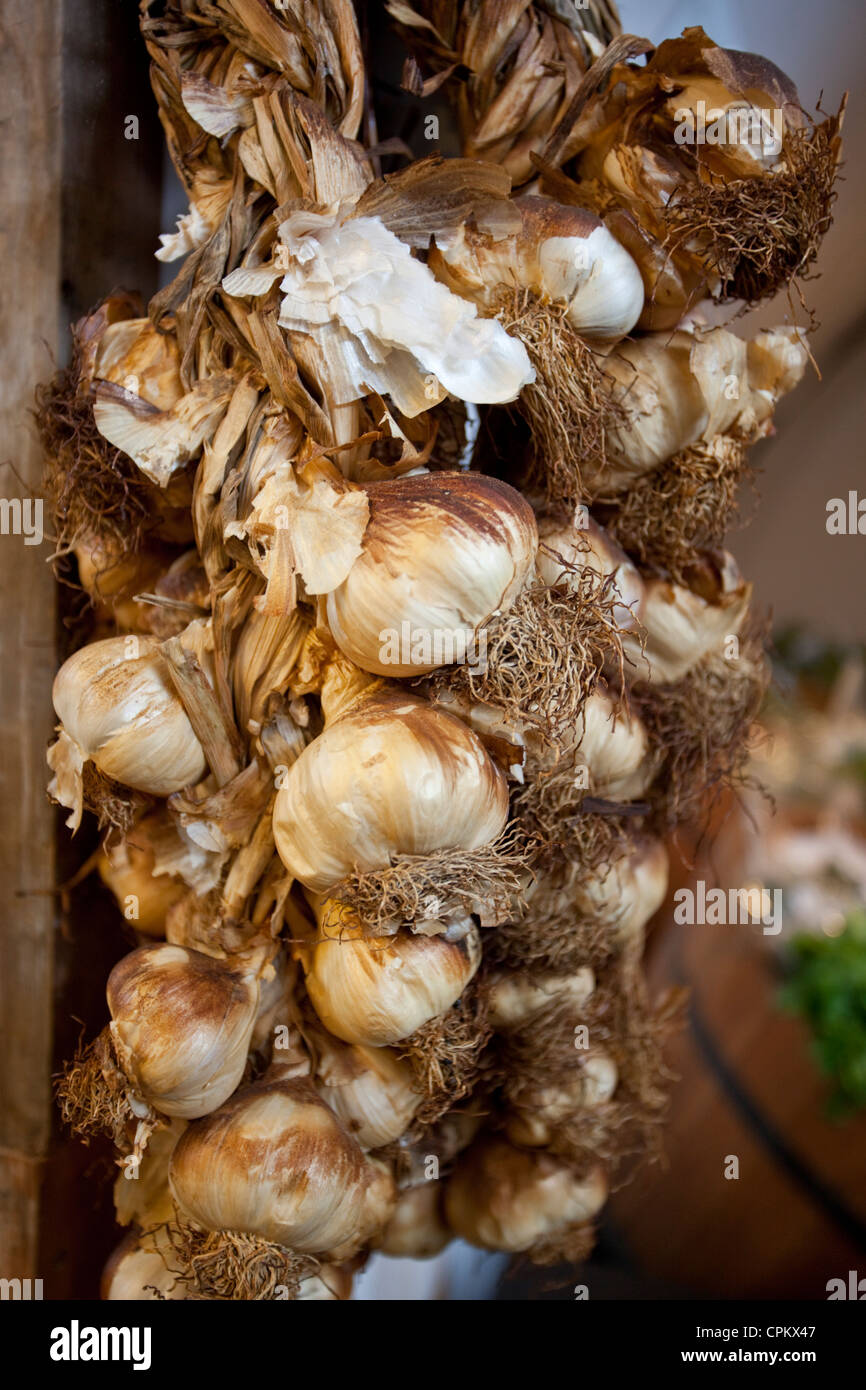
30, 241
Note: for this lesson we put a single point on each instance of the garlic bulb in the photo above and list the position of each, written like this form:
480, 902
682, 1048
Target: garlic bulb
502, 1198
369, 1089
117, 707
181, 1026
680, 388
143, 896
515, 998
683, 625
140, 1268
377, 991
441, 554
613, 745
112, 577
625, 894
392, 775
706, 159
540, 1109
275, 1162
417, 1228
587, 546
560, 253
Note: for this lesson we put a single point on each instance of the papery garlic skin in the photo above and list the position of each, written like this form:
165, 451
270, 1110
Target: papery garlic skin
275, 1162
614, 748
117, 705
388, 324
378, 991
562, 254
683, 625
587, 546
503, 1198
370, 1089
140, 1269
441, 554
417, 1228
691, 385
392, 775
181, 1026
516, 997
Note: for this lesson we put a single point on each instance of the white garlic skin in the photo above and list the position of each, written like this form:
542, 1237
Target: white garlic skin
370, 1089
561, 253
275, 1162
377, 991
115, 699
503, 1198
683, 625
442, 553
392, 775
181, 1026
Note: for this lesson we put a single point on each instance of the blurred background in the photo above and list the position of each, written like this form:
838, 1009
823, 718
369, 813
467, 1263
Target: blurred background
771, 1061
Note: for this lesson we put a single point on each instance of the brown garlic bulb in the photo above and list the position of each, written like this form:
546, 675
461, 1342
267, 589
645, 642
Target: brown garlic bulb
275, 1162
391, 775
181, 1026
375, 991
417, 1228
503, 1198
441, 554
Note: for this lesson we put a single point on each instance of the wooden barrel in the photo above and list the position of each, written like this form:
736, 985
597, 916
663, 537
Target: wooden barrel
747, 1087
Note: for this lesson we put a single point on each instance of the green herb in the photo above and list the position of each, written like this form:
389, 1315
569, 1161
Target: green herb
828, 988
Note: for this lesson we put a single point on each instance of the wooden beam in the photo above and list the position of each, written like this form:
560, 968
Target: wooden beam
30, 177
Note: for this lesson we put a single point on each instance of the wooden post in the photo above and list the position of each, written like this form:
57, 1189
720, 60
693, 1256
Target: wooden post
30, 116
